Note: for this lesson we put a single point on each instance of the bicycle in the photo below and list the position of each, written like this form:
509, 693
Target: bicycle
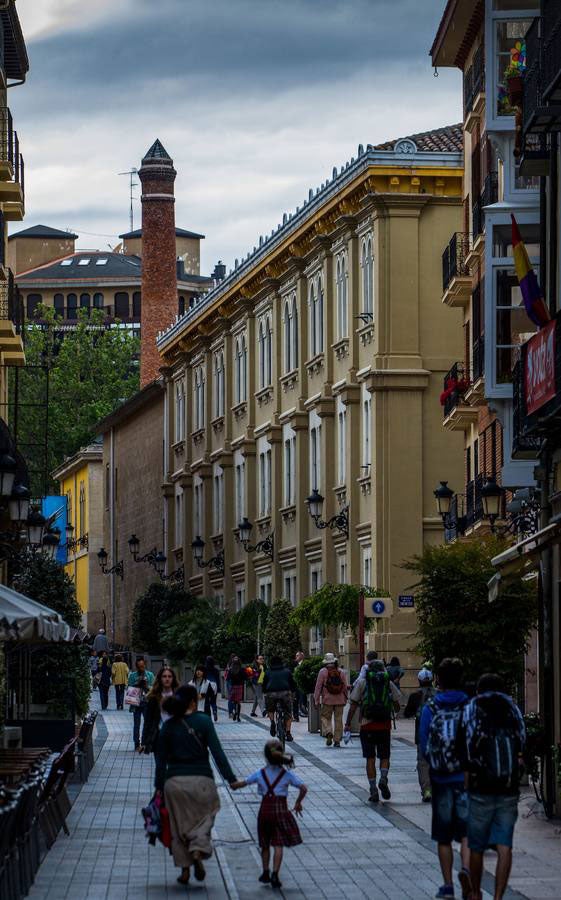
280, 722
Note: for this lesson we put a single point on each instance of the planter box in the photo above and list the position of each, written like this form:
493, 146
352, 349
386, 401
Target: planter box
313, 716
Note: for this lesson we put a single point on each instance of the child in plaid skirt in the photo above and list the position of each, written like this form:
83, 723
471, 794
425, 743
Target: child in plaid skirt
276, 826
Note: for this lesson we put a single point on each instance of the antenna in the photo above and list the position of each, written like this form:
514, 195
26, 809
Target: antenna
131, 173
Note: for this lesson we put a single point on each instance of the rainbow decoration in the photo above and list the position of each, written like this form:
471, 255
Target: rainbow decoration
534, 303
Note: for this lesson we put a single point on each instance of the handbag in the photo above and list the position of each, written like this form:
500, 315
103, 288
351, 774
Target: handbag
133, 696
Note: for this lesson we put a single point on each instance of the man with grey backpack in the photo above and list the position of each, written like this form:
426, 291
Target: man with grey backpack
494, 736
440, 738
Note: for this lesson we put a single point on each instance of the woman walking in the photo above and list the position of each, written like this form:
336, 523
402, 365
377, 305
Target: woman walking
212, 675
202, 686
184, 774
119, 677
165, 683
236, 679
104, 672
331, 696
257, 683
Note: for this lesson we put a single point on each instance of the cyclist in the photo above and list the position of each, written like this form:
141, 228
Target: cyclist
279, 687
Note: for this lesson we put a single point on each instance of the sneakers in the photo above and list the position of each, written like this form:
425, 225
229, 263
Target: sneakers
199, 869
426, 795
275, 883
328, 739
336, 743
465, 883
374, 795
288, 736
446, 890
273, 730
253, 715
384, 788
265, 877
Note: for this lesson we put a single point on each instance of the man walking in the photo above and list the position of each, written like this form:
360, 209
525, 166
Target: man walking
279, 686
414, 708
142, 679
441, 743
376, 697
494, 741
100, 642
257, 683
330, 695
300, 701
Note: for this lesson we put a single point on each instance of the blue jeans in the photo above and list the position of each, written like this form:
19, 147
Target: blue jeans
492, 819
449, 812
138, 715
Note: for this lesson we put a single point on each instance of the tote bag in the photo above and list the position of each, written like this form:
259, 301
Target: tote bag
133, 696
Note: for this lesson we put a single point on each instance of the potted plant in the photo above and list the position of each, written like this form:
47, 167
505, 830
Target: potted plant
514, 74
305, 676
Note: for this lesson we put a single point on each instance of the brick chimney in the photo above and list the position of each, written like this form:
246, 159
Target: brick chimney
159, 271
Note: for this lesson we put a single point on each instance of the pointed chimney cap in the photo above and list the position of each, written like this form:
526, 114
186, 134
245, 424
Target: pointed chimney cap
157, 151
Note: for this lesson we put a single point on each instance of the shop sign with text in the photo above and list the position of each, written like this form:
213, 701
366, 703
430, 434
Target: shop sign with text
539, 368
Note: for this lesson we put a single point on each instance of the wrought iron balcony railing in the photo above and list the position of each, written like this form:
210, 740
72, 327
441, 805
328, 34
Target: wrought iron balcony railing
455, 386
454, 259
490, 192
11, 304
474, 501
478, 357
9, 147
474, 79
552, 50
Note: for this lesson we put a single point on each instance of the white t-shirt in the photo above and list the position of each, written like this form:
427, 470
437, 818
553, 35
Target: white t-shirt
289, 778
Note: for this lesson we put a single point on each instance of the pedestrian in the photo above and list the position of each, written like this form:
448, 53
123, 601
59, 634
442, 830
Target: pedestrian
184, 774
93, 668
228, 685
414, 709
119, 677
330, 695
100, 641
279, 687
395, 671
276, 826
104, 680
370, 657
142, 679
440, 742
202, 685
494, 741
236, 678
376, 696
258, 678
301, 699
165, 685
212, 675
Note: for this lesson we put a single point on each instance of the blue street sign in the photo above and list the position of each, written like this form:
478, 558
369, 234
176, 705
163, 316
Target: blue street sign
378, 607
406, 601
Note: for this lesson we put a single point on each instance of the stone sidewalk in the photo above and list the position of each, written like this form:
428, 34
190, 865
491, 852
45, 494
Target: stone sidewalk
350, 849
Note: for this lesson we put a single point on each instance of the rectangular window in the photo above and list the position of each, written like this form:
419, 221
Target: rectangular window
366, 434
82, 524
107, 486
289, 471
367, 567
240, 492
507, 33
218, 499
265, 483
315, 457
289, 587
342, 570
240, 597
179, 520
198, 510
265, 590
342, 446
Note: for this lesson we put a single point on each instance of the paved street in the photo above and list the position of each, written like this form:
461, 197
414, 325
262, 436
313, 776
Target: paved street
349, 850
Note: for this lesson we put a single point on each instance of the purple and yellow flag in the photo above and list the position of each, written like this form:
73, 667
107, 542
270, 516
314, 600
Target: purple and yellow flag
534, 303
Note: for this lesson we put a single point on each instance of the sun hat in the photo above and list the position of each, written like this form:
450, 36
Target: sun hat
425, 675
330, 659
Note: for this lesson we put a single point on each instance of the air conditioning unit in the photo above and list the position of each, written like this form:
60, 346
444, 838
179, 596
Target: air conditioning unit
10, 739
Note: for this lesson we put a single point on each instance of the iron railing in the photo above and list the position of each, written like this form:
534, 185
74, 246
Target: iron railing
456, 519
455, 385
490, 192
474, 79
474, 501
533, 79
552, 47
524, 446
478, 357
477, 219
454, 259
9, 147
11, 304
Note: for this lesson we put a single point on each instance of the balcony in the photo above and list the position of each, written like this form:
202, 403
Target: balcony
552, 51
524, 446
458, 414
11, 321
475, 393
541, 105
456, 277
474, 90
12, 171
490, 192
456, 521
473, 501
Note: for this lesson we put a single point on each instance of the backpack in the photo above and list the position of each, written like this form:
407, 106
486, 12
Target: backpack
334, 683
443, 752
377, 700
493, 745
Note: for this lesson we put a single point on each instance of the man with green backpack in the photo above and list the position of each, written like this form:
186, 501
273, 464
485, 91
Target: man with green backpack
377, 697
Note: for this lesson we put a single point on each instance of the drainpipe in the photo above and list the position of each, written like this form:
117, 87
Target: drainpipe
112, 529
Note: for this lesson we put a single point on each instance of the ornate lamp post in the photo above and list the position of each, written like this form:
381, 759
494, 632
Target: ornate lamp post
198, 547
266, 546
117, 569
340, 520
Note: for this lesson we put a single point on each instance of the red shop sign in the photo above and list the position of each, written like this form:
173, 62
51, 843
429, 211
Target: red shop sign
539, 368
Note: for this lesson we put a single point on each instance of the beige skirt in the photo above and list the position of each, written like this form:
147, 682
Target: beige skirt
192, 802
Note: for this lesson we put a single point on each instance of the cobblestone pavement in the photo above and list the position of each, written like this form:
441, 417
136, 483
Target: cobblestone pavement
349, 850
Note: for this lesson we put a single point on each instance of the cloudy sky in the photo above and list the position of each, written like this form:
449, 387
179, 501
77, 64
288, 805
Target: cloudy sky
255, 100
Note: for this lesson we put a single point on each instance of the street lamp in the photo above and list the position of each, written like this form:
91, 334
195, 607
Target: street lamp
198, 548
19, 503
443, 495
266, 546
8, 468
160, 562
134, 545
491, 498
69, 534
117, 569
35, 525
340, 520
50, 542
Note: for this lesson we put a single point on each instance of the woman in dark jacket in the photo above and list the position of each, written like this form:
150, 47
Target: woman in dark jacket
236, 677
184, 774
165, 683
212, 675
104, 673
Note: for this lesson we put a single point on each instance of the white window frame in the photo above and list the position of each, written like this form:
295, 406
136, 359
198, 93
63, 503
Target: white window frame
290, 319
341, 443
218, 500
341, 288
315, 303
366, 432
179, 519
367, 566
179, 411
219, 384
266, 590
367, 266
315, 456
198, 508
199, 398
289, 583
240, 597
289, 467
492, 17
239, 479
241, 369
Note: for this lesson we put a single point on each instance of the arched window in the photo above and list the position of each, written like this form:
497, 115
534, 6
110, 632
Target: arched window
85, 302
367, 276
319, 312
312, 305
241, 369
136, 305
71, 306
179, 411
219, 384
262, 354
121, 305
269, 352
316, 316
290, 334
33, 301
58, 304
98, 300
199, 399
341, 291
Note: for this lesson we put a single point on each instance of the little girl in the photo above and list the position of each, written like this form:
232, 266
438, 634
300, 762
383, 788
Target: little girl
276, 826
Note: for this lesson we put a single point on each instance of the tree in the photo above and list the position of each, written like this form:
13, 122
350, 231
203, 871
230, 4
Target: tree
156, 607
227, 642
58, 671
455, 617
250, 619
190, 635
334, 606
92, 369
282, 635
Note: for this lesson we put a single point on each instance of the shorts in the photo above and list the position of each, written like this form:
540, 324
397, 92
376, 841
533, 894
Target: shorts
375, 743
491, 820
285, 698
449, 813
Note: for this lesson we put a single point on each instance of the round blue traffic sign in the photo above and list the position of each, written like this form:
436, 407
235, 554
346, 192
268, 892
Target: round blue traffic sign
378, 607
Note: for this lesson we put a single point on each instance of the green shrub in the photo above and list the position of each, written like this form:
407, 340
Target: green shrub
282, 635
305, 674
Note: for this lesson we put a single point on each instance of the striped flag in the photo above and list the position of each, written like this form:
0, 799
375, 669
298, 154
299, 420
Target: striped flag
534, 303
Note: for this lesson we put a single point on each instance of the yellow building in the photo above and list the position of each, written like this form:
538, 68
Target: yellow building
81, 482
316, 365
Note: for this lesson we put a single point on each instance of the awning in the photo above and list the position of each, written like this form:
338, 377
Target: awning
522, 558
22, 619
